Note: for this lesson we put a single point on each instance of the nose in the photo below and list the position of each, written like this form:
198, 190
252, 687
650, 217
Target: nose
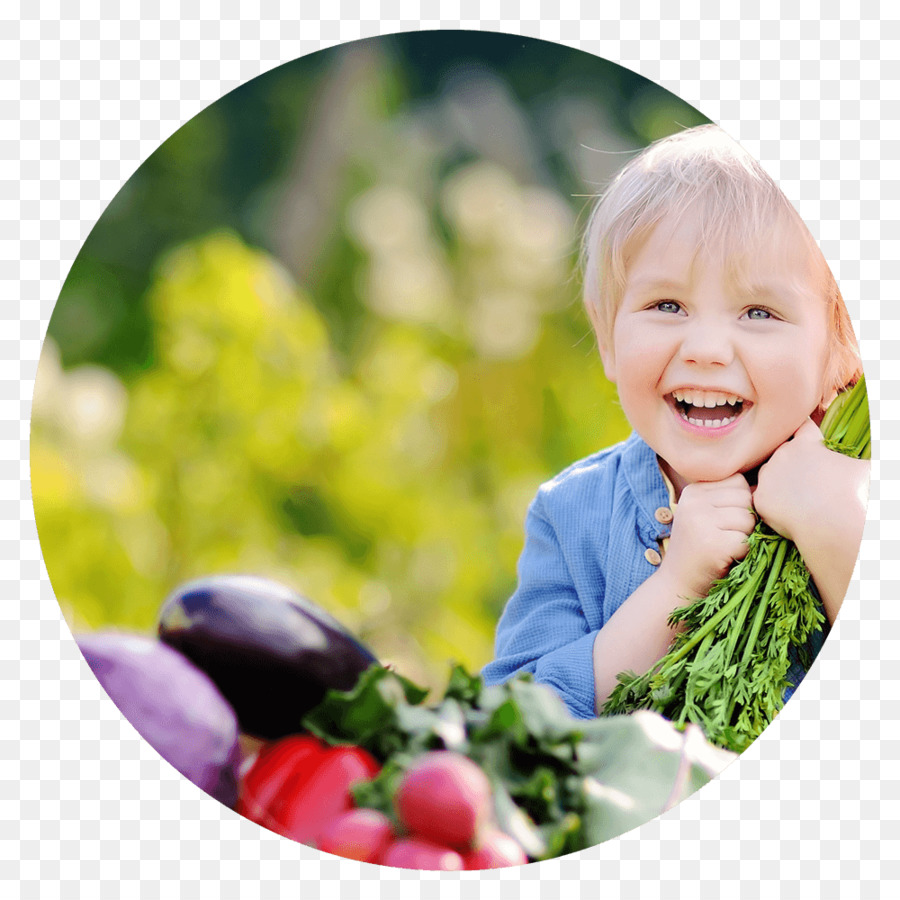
707, 341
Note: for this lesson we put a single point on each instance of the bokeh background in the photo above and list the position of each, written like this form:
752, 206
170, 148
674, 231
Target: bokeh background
330, 333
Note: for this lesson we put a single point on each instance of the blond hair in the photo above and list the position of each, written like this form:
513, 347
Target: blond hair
703, 170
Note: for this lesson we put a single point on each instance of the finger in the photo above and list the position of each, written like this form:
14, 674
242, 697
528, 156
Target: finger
737, 520
808, 431
737, 480
735, 498
708, 489
732, 545
732, 481
740, 550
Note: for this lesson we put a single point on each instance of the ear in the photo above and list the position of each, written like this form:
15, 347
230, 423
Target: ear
608, 357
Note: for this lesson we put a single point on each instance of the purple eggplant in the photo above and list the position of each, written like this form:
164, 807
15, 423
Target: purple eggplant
272, 653
173, 705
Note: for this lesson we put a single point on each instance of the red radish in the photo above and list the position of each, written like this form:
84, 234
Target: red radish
417, 853
446, 798
362, 834
497, 850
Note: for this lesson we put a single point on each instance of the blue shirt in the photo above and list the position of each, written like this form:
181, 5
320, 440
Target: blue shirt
586, 534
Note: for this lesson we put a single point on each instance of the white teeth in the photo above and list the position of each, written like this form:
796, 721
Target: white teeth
708, 423
708, 399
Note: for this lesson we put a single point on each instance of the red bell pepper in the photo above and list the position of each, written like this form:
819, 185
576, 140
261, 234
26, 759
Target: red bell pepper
299, 784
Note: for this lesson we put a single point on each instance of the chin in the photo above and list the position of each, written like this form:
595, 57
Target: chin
717, 472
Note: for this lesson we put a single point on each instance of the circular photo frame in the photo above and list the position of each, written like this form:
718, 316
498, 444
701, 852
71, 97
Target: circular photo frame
330, 347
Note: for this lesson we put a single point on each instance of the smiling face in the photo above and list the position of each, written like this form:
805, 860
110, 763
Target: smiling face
717, 359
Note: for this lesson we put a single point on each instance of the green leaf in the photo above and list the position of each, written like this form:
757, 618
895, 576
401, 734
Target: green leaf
512, 820
563, 836
463, 687
379, 792
544, 715
560, 784
638, 766
506, 722
539, 794
367, 715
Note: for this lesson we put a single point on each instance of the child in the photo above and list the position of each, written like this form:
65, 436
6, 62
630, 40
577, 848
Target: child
725, 333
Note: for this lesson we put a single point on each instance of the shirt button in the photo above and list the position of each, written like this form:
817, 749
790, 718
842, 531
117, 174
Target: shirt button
664, 515
652, 556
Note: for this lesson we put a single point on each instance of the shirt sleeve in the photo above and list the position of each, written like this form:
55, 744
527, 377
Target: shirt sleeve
802, 658
543, 629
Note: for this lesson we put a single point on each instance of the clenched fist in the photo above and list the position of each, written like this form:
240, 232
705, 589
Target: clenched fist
709, 533
817, 499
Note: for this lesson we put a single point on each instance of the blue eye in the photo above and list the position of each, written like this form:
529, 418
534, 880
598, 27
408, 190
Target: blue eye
668, 306
758, 313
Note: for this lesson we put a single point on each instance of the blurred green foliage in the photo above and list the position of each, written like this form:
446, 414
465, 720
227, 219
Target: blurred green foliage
330, 333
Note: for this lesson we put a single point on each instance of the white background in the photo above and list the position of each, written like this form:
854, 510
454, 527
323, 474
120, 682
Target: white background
89, 810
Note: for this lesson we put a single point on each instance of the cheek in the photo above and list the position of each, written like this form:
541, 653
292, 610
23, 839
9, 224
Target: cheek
819, 354
795, 378
639, 377
818, 367
638, 389
642, 354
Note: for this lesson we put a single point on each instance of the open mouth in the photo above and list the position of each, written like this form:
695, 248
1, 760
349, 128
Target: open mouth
707, 409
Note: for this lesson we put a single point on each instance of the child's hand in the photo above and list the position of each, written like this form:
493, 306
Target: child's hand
805, 489
817, 499
709, 533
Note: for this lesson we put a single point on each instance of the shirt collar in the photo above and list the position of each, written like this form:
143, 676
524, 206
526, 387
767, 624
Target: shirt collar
641, 468
669, 487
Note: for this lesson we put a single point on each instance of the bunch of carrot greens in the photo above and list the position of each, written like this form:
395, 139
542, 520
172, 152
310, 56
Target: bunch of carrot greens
727, 670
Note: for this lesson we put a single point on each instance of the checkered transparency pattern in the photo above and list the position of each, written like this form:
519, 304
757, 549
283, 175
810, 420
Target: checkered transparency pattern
89, 809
